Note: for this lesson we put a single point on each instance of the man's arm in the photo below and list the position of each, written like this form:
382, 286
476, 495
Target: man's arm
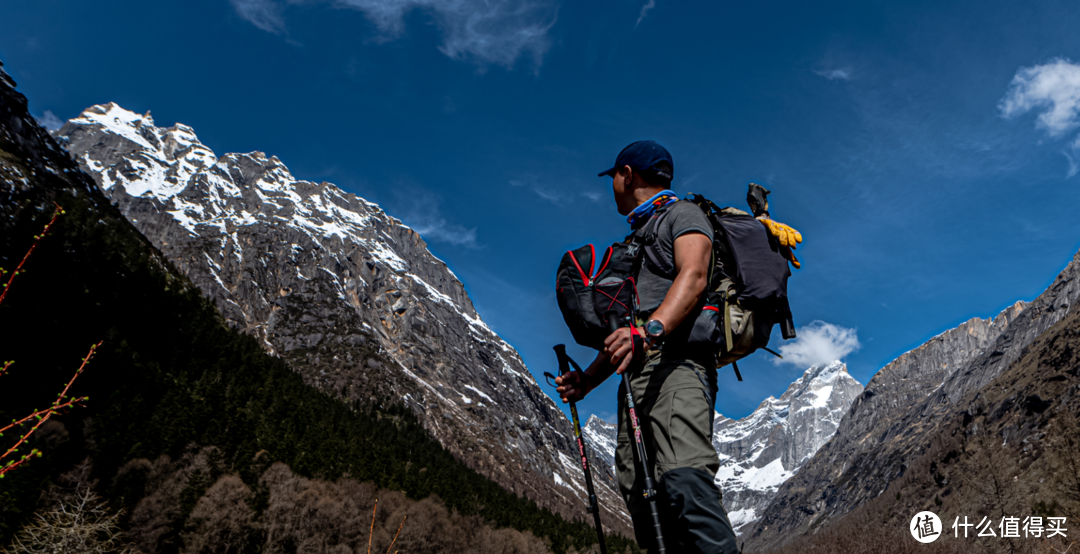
693, 255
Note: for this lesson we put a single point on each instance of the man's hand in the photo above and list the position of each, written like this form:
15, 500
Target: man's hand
573, 386
620, 349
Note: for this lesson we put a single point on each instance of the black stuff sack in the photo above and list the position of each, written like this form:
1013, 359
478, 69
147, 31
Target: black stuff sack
587, 295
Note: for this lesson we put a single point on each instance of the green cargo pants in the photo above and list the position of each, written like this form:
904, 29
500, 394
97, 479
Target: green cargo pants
674, 399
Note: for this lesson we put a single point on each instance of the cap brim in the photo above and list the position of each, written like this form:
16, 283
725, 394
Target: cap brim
609, 173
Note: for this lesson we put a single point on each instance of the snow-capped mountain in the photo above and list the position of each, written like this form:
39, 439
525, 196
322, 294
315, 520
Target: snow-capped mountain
600, 438
349, 296
762, 450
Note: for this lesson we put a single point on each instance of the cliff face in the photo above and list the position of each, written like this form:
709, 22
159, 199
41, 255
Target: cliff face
322, 277
760, 452
890, 422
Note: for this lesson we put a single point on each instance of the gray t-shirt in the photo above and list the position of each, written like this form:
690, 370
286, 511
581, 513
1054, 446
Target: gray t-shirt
682, 217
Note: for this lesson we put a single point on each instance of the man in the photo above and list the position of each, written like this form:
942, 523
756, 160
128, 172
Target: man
674, 384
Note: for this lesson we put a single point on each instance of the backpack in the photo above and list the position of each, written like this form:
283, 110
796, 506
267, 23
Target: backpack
745, 297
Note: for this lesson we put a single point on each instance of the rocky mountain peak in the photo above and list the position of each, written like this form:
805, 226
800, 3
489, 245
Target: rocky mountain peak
760, 452
601, 437
349, 296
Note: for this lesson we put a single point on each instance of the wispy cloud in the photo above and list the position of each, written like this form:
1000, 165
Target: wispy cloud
1052, 89
593, 195
487, 32
644, 10
438, 229
1073, 155
424, 216
50, 121
819, 343
264, 14
549, 195
842, 73
555, 195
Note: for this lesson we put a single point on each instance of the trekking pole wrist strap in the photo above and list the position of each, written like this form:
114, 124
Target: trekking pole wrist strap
639, 343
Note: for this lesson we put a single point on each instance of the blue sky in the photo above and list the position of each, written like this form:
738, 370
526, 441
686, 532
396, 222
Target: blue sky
927, 151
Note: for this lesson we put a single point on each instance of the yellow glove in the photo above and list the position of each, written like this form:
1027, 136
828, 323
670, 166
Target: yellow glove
787, 236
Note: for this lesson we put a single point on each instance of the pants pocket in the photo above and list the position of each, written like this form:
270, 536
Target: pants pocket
685, 433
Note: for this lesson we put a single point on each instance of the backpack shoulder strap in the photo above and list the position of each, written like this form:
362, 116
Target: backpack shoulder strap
649, 236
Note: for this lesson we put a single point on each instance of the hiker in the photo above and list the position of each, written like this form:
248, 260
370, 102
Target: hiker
673, 384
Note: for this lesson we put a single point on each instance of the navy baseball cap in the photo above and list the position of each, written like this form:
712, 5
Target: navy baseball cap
645, 156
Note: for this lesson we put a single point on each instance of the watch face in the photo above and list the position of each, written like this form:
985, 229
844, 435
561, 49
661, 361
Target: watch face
654, 328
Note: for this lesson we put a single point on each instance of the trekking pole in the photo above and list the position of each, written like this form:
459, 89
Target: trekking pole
650, 492
594, 508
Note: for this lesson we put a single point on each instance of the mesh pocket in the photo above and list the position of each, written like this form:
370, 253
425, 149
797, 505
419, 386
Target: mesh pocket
708, 329
613, 294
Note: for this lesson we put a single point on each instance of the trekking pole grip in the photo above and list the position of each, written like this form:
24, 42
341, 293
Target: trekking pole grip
564, 363
612, 321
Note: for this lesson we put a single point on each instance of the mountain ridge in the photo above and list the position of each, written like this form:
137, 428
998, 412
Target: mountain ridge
891, 420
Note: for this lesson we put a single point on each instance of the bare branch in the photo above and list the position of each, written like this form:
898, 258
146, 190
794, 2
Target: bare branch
37, 239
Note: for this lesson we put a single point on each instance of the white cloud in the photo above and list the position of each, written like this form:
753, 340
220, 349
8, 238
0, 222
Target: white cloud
50, 121
644, 10
264, 14
843, 73
1074, 163
487, 32
1052, 89
819, 343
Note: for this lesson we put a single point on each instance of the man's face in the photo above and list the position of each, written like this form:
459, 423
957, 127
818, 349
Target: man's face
624, 196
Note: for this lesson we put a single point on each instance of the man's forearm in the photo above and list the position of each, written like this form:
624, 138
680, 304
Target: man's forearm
693, 259
681, 299
598, 371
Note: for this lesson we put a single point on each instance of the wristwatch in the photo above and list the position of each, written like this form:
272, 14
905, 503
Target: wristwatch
654, 330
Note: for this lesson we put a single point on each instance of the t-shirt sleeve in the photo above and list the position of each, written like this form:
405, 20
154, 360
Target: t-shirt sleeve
686, 217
